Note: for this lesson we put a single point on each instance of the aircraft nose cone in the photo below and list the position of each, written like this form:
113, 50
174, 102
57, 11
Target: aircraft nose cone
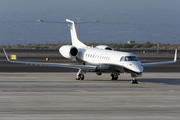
139, 68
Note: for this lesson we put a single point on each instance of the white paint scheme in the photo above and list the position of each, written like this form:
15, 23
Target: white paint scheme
104, 47
75, 41
97, 59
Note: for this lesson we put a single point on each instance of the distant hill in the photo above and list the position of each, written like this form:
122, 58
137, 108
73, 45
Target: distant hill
146, 45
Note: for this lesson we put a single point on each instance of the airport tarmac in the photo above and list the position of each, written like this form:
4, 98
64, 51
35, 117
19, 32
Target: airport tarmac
58, 96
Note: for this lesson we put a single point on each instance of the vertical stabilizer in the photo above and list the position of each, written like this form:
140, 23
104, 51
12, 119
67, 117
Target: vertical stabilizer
74, 39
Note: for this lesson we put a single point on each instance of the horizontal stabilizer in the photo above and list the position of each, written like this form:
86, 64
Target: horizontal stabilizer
67, 22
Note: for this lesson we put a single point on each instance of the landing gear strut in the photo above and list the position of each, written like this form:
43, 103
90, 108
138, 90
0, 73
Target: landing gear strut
114, 76
80, 75
134, 81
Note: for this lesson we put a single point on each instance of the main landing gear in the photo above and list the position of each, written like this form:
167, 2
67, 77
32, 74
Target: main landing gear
80, 75
114, 76
134, 81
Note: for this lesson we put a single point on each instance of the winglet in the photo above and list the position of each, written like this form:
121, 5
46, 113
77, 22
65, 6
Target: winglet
175, 56
6, 55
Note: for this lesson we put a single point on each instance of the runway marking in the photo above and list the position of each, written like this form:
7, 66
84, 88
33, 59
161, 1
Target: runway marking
159, 85
81, 91
38, 91
30, 91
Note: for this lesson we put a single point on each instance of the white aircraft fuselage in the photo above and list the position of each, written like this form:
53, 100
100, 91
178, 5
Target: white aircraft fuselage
109, 60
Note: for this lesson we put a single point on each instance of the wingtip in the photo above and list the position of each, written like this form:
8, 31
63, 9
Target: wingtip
175, 56
6, 55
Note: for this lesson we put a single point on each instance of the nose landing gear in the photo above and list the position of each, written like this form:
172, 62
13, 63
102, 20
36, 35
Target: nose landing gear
134, 81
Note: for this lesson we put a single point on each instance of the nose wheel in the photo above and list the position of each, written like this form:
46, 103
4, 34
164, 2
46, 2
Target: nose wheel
134, 81
114, 76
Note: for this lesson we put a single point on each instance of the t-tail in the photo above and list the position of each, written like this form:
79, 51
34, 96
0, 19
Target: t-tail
74, 39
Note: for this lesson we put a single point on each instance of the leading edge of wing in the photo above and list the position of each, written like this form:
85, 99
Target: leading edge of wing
51, 64
159, 63
56, 65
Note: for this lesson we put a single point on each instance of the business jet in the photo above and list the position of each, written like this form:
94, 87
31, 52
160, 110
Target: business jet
99, 59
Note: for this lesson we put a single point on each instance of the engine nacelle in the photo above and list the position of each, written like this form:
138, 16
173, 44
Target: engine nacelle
104, 47
68, 51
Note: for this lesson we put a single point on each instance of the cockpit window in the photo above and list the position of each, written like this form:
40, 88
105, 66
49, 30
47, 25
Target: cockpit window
129, 58
135, 58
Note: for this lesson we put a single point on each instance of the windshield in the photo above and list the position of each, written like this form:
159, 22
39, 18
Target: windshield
135, 58
129, 58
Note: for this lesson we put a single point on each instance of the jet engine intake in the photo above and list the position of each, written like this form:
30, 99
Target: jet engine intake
68, 51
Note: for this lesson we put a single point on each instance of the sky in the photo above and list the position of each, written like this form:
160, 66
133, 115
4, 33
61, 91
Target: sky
120, 20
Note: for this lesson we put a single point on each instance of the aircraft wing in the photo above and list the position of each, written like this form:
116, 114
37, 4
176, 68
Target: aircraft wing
52, 64
159, 63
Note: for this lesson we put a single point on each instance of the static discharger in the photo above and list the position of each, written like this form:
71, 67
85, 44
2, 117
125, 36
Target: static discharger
13, 57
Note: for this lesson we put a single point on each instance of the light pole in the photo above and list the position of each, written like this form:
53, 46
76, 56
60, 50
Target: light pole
157, 48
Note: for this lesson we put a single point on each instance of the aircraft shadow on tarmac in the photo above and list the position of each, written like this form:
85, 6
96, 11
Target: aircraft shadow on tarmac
167, 81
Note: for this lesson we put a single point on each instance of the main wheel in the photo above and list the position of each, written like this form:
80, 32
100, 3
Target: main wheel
112, 77
82, 77
77, 78
132, 81
115, 78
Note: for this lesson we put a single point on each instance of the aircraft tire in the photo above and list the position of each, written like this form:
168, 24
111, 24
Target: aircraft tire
134, 81
82, 77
